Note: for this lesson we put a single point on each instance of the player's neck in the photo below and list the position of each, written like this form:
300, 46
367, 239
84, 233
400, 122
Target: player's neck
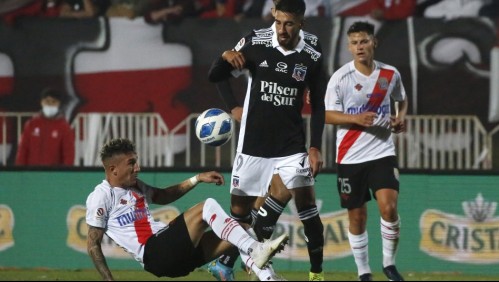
365, 67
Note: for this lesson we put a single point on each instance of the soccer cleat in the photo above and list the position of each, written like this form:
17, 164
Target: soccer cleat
392, 273
366, 277
220, 271
316, 276
263, 252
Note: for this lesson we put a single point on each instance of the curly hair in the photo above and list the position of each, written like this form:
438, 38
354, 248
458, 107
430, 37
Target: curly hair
116, 147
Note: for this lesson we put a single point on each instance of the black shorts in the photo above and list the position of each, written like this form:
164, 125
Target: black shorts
356, 182
170, 251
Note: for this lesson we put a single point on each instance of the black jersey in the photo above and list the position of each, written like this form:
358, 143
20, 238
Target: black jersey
272, 124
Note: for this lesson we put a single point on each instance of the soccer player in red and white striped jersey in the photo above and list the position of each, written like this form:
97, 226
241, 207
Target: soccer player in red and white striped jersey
358, 101
119, 208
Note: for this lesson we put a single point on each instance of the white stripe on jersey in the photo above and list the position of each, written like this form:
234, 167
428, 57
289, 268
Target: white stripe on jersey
348, 92
125, 215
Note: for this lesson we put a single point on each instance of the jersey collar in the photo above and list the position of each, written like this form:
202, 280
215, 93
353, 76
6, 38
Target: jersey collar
299, 47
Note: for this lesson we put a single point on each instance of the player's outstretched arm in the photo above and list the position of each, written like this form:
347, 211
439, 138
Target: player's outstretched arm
175, 192
94, 240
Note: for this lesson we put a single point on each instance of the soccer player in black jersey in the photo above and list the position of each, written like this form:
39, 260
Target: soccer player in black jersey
280, 65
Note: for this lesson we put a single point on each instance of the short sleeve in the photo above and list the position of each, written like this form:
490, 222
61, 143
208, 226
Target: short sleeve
332, 100
398, 93
97, 209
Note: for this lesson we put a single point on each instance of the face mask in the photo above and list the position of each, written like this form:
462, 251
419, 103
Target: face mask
50, 111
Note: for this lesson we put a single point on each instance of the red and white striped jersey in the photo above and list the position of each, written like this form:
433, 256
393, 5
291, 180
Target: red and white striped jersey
125, 215
351, 92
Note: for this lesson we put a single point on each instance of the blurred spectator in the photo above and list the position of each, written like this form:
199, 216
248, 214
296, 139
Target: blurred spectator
83, 8
47, 138
127, 8
450, 9
36, 8
377, 9
393, 9
161, 11
207, 9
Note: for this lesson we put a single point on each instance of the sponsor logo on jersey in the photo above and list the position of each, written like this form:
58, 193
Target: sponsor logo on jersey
78, 230
282, 67
278, 95
382, 110
299, 72
133, 216
6, 227
264, 64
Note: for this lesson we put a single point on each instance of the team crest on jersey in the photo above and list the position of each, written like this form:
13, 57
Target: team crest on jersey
383, 83
235, 182
240, 44
299, 72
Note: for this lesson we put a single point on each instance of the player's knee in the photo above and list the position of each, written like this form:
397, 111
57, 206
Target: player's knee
389, 212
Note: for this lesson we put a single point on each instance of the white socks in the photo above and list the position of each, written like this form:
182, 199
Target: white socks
390, 233
225, 227
360, 251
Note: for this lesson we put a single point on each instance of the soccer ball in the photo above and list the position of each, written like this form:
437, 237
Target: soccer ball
214, 127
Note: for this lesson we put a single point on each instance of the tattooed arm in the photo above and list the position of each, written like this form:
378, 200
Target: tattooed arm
94, 240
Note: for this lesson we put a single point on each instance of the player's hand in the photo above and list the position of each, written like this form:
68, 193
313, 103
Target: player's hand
397, 124
237, 113
235, 59
315, 159
211, 177
366, 119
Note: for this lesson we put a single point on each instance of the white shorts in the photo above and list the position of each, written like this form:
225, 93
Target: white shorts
251, 176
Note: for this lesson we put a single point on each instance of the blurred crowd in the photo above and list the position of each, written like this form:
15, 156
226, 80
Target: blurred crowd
158, 11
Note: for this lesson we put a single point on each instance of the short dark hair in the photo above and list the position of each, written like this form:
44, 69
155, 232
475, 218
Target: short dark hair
296, 7
361, 27
116, 147
50, 92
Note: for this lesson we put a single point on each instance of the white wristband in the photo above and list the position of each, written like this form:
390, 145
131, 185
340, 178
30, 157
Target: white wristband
194, 180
